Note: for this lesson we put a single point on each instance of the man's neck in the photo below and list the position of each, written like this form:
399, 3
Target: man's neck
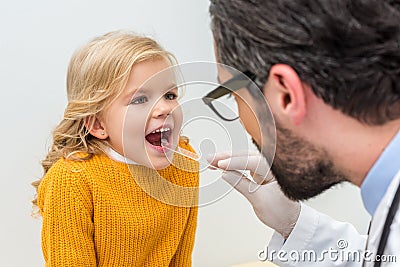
361, 147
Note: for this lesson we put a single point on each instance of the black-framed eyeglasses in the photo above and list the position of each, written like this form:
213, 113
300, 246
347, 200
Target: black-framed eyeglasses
222, 93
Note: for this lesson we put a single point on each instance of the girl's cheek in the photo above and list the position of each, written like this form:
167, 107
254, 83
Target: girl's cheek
178, 111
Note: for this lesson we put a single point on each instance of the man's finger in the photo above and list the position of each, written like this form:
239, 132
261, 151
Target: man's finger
255, 164
241, 183
214, 158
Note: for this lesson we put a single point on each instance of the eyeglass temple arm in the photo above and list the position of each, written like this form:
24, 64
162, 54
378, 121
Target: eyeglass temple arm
234, 84
216, 93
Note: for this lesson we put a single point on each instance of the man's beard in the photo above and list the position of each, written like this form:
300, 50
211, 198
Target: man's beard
301, 169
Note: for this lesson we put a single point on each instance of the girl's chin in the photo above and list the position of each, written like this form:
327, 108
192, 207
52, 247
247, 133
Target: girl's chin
159, 164
152, 159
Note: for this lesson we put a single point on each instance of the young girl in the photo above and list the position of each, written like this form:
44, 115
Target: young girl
101, 199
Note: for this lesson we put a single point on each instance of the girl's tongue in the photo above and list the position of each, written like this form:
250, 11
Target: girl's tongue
154, 139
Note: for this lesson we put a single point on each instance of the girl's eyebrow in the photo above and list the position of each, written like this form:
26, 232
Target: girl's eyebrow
133, 91
172, 86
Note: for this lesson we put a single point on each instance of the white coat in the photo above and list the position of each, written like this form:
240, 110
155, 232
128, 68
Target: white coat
318, 240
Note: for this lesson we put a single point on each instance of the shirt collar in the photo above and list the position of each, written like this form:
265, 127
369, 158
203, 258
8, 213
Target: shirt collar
118, 157
380, 175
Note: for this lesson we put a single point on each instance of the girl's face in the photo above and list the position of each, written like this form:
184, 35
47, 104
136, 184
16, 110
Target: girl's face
146, 117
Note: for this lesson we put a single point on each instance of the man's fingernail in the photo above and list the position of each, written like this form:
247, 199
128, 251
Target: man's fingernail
223, 163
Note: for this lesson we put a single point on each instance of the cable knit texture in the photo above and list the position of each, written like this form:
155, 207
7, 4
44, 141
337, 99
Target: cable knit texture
100, 212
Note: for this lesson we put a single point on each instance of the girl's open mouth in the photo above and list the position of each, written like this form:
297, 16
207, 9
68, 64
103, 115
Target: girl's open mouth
159, 138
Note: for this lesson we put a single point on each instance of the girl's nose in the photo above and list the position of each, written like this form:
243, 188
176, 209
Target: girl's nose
162, 109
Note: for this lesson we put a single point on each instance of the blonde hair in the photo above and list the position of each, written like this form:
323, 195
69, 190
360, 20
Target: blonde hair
97, 74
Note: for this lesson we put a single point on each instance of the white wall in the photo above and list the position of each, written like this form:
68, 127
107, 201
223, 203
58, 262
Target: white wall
38, 37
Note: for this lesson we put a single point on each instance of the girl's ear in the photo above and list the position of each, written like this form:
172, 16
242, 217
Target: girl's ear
95, 127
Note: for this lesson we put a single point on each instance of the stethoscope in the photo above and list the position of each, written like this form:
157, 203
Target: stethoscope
386, 228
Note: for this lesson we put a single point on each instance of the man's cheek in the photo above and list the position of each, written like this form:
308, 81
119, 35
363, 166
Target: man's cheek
249, 120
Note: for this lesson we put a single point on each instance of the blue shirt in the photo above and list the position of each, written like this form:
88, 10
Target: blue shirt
381, 175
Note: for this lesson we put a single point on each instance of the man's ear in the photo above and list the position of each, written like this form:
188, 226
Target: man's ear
95, 127
285, 93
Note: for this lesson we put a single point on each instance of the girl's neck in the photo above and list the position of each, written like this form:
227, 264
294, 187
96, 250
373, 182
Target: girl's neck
118, 157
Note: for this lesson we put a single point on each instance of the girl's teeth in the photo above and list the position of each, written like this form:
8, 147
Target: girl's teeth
161, 130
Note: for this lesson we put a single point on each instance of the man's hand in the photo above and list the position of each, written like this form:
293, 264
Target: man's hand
271, 206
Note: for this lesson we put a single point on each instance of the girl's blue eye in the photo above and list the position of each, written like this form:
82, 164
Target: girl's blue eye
139, 100
170, 96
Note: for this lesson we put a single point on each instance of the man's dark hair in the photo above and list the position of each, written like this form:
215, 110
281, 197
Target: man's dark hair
348, 51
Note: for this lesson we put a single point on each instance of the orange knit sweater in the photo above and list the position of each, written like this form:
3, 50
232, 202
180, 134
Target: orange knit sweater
96, 214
